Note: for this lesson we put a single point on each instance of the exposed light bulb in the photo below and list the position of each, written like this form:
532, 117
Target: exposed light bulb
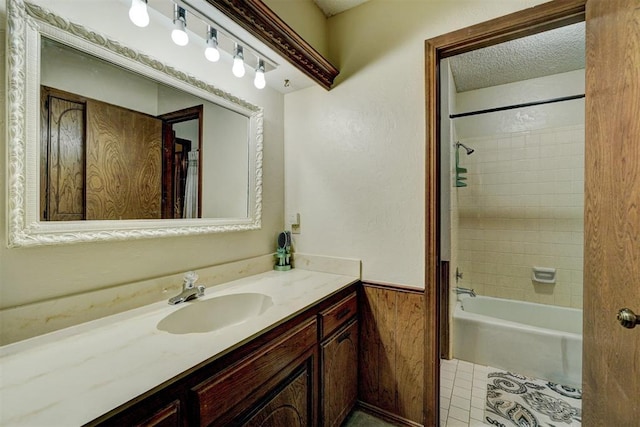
179, 37
238, 67
238, 62
179, 34
138, 13
211, 52
259, 81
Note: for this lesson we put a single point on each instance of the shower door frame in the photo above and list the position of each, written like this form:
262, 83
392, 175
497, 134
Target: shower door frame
516, 25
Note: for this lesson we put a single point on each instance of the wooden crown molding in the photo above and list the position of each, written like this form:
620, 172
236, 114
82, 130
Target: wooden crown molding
259, 20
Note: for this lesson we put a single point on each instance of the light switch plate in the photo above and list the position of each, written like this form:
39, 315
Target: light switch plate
293, 219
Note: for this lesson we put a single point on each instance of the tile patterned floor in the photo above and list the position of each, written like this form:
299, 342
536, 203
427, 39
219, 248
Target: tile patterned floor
463, 399
513, 400
463, 392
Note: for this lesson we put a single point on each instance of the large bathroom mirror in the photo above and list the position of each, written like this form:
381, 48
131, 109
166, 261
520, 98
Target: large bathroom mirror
107, 143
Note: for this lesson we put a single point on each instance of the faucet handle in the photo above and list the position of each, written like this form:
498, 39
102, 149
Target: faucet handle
200, 289
190, 279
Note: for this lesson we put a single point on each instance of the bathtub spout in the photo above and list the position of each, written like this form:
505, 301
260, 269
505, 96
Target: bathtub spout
465, 291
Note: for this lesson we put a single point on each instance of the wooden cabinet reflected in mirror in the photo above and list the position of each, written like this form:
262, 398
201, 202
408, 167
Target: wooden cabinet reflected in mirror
102, 161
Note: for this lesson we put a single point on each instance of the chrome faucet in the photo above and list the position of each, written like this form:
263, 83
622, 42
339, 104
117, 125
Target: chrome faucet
465, 291
189, 289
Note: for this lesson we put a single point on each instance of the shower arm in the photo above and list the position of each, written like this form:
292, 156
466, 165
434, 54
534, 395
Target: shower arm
467, 149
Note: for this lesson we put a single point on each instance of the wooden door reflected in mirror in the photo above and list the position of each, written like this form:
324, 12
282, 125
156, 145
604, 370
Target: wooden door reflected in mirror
101, 161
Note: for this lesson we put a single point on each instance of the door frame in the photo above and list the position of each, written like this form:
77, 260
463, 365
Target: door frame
524, 23
168, 120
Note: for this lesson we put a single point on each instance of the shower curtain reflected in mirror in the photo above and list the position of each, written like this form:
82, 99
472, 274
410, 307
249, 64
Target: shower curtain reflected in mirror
191, 191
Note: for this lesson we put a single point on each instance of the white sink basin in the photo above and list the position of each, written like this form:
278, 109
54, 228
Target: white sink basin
200, 316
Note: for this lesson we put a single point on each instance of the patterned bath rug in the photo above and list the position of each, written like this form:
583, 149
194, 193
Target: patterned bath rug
516, 400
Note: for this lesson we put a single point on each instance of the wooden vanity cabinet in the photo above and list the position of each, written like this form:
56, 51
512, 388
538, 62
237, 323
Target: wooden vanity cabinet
283, 377
250, 384
339, 361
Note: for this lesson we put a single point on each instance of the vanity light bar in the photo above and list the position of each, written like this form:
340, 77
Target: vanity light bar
252, 58
140, 17
194, 8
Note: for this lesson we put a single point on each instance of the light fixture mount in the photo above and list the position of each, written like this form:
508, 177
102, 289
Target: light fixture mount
238, 61
239, 52
179, 13
259, 81
211, 52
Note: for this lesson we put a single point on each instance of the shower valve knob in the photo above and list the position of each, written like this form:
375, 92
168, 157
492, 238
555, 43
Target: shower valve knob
628, 318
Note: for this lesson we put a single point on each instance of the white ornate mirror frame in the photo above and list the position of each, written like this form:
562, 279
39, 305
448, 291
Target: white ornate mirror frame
26, 23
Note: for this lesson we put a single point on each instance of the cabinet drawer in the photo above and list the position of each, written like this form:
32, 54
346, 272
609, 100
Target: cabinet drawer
338, 314
166, 417
149, 412
238, 385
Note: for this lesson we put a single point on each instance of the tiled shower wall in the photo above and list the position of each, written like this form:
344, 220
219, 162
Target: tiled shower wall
523, 207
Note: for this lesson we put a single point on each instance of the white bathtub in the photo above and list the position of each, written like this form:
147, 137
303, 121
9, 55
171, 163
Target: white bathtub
532, 339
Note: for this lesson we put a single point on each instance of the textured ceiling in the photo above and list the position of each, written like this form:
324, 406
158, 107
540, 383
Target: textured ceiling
333, 7
552, 52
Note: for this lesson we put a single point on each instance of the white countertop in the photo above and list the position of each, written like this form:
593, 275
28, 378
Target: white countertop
72, 376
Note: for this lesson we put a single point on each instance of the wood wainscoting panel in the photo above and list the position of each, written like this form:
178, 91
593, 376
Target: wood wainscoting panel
385, 322
392, 351
369, 365
410, 355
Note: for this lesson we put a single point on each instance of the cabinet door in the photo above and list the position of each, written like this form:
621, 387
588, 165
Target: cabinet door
291, 406
339, 378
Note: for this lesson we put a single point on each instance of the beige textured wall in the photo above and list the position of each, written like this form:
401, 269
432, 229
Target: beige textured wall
306, 19
32, 275
355, 156
354, 162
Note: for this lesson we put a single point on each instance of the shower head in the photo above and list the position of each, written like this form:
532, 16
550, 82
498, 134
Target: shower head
469, 150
